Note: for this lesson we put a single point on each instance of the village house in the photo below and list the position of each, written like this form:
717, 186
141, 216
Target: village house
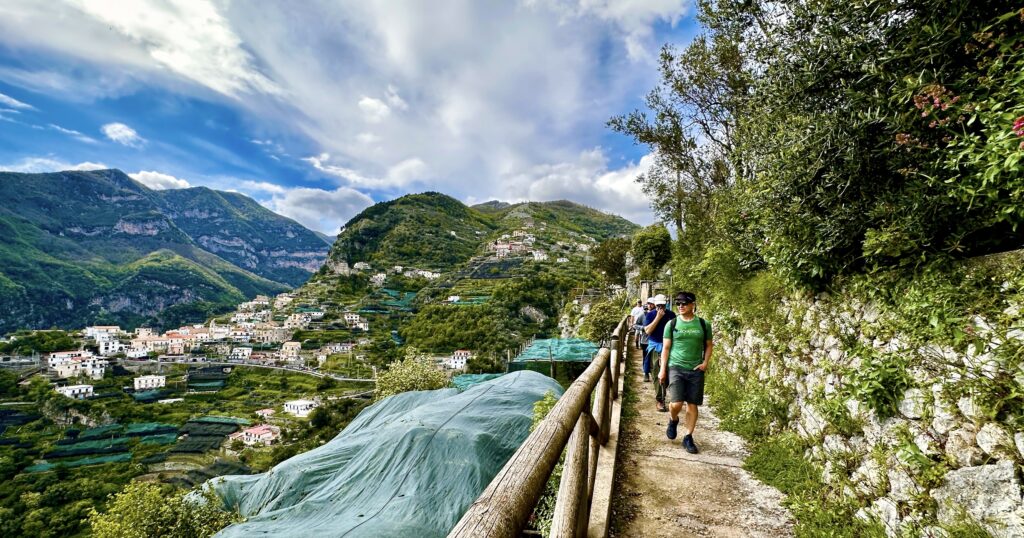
60, 357
297, 321
452, 299
361, 266
397, 269
150, 382
540, 255
501, 249
517, 246
265, 413
264, 434
240, 353
562, 260
143, 332
271, 334
344, 347
111, 347
283, 300
378, 279
458, 359
290, 350
99, 332
300, 408
77, 392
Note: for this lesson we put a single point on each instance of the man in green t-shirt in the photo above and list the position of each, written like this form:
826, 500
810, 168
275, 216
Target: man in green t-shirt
684, 359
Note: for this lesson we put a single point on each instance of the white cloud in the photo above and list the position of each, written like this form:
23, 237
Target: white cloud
261, 186
73, 133
159, 181
319, 209
38, 165
507, 90
587, 181
14, 103
122, 134
374, 110
400, 175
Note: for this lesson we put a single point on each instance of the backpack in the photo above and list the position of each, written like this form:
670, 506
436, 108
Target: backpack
703, 329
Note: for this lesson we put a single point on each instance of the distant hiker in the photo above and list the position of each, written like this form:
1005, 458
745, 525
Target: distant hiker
655, 324
684, 360
637, 321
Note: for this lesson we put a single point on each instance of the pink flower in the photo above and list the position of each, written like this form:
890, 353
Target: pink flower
1018, 126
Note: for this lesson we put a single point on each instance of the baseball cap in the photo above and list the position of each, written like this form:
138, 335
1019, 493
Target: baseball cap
660, 299
685, 297
650, 300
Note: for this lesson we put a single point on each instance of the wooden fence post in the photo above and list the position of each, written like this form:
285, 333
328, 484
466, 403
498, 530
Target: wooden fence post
571, 508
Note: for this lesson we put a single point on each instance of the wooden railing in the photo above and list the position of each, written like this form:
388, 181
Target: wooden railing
504, 508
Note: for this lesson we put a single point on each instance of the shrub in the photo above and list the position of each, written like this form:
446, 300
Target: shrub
147, 510
410, 373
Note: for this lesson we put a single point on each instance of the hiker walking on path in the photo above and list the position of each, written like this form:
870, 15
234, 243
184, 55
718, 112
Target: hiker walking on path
657, 319
637, 316
684, 360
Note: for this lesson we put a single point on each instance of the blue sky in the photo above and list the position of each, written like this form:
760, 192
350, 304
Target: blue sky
319, 109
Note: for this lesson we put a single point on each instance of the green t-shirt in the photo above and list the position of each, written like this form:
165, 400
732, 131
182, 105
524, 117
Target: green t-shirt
686, 349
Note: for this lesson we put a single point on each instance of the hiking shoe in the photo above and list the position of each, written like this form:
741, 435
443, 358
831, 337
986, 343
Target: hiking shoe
662, 408
647, 378
671, 431
688, 444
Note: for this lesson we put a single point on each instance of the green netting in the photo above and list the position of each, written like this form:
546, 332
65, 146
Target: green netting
222, 420
146, 395
159, 439
94, 460
208, 428
105, 446
409, 465
99, 432
206, 384
149, 428
464, 381
199, 444
559, 350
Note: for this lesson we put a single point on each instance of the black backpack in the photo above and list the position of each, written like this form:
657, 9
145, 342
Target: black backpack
703, 329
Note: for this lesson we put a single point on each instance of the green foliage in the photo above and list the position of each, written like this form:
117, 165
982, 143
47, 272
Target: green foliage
147, 510
652, 249
603, 317
410, 373
820, 511
27, 342
747, 407
610, 257
880, 381
544, 511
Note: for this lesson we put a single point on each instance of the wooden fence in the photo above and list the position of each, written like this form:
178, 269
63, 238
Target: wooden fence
580, 420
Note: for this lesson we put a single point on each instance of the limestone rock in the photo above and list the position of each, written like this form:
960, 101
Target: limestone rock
885, 511
943, 419
970, 409
811, 423
961, 449
1018, 439
902, 487
913, 403
989, 494
869, 478
994, 440
835, 445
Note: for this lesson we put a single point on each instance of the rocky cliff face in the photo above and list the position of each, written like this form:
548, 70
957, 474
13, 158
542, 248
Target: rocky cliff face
941, 448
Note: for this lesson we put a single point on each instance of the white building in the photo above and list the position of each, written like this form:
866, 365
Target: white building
149, 382
540, 255
102, 331
264, 434
300, 408
378, 279
240, 353
458, 359
361, 266
290, 350
60, 357
266, 413
143, 332
111, 347
91, 367
78, 392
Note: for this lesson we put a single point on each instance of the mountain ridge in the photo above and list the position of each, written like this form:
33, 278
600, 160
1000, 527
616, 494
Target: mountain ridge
71, 241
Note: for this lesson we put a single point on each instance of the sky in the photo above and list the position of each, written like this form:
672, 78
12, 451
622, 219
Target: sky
320, 109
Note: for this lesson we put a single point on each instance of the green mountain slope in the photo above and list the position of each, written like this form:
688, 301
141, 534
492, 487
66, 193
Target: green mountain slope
503, 299
90, 247
428, 231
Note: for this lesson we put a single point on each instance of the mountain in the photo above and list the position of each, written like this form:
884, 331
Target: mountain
446, 249
99, 247
428, 231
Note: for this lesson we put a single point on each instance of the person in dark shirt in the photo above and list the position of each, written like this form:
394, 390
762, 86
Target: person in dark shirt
655, 324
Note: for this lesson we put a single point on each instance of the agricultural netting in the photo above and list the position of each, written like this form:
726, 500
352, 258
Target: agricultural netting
141, 429
409, 465
464, 381
94, 460
559, 350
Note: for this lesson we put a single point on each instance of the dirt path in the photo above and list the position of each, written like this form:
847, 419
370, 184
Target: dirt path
661, 490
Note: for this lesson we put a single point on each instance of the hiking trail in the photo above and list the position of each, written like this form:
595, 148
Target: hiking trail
663, 491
